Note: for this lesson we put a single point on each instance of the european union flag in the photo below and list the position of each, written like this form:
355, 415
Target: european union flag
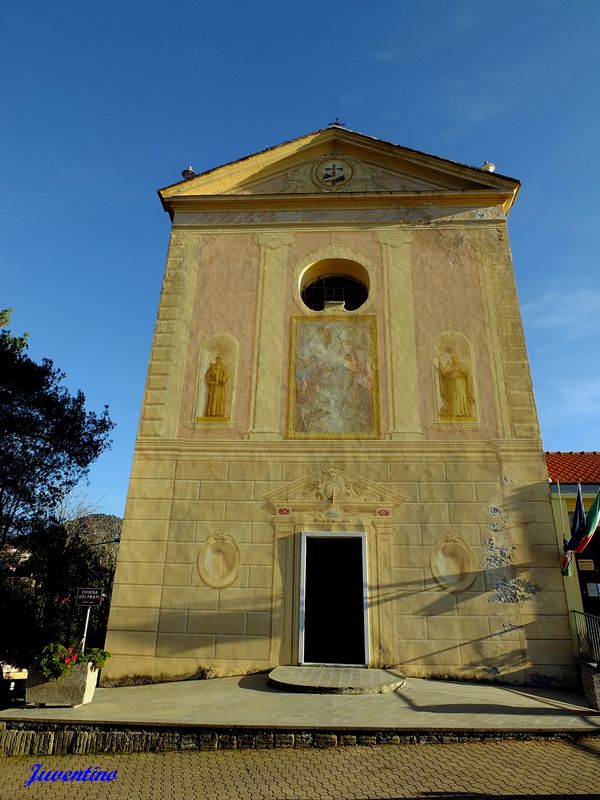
578, 535
578, 530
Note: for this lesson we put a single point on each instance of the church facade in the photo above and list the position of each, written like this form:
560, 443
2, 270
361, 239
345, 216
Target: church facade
338, 459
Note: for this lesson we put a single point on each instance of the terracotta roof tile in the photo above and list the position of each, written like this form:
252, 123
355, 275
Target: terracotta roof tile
573, 467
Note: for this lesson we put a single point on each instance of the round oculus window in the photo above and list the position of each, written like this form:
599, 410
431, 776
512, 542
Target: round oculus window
334, 282
343, 290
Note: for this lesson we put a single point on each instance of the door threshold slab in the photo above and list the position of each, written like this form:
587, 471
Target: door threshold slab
320, 679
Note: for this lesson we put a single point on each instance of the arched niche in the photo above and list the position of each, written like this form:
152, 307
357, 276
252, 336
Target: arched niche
454, 379
217, 380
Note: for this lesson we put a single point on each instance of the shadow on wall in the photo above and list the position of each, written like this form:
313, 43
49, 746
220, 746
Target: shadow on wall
479, 603
510, 583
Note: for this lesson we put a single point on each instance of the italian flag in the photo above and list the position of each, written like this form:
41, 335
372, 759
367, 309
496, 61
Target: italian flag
566, 564
591, 524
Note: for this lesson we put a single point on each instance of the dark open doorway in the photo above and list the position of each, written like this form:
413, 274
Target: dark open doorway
334, 613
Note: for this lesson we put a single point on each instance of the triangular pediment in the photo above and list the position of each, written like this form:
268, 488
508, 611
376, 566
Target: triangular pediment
336, 160
334, 493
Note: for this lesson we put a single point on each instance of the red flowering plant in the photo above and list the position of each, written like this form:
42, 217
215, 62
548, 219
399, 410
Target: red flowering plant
56, 659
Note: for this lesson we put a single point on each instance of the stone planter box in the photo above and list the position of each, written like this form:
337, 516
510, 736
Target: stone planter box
590, 678
73, 689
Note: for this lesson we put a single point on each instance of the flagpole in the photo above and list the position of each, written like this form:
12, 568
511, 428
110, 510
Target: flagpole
566, 562
562, 518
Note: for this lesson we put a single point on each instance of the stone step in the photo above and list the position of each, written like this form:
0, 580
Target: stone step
336, 680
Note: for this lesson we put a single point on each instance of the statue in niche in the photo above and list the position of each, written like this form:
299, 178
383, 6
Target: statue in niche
216, 378
455, 390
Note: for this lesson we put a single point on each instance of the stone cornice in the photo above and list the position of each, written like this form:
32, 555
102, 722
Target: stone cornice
476, 198
340, 450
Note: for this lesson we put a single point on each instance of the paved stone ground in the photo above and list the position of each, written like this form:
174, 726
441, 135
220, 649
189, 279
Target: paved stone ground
420, 705
532, 770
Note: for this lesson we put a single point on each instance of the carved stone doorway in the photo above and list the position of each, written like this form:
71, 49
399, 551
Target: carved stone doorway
333, 599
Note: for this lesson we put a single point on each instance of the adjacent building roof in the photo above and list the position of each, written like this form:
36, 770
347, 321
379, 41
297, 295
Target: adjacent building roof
574, 467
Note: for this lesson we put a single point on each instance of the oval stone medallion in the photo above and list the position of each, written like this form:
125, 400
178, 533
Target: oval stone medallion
219, 561
453, 564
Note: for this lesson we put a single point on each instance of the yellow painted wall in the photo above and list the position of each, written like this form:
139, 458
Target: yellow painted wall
463, 570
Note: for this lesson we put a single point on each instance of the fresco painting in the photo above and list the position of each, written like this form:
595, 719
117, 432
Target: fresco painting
335, 376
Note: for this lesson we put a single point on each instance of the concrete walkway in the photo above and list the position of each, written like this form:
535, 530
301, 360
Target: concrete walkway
249, 702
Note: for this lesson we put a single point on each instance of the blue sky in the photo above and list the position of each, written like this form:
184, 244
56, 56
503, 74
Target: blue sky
103, 105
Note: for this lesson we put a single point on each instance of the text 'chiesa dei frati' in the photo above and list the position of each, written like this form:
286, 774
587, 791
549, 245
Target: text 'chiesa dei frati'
338, 458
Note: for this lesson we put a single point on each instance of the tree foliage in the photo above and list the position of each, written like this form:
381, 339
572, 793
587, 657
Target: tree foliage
16, 343
38, 586
47, 438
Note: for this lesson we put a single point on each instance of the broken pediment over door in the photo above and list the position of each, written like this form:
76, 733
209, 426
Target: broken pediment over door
333, 496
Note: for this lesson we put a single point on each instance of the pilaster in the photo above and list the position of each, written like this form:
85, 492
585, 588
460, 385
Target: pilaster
268, 343
403, 398
284, 592
160, 410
